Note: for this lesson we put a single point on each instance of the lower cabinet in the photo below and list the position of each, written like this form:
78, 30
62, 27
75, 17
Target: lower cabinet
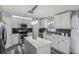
64, 45
15, 39
60, 43
55, 42
9, 41
12, 39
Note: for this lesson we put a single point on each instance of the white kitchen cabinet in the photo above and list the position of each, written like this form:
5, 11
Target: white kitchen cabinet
64, 44
57, 20
15, 39
65, 20
12, 39
9, 41
15, 22
25, 21
55, 42
43, 23
9, 38
62, 21
53, 39
67, 43
60, 43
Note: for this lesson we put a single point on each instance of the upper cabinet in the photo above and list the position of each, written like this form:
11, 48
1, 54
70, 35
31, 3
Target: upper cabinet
65, 20
62, 21
57, 20
43, 23
15, 22
25, 21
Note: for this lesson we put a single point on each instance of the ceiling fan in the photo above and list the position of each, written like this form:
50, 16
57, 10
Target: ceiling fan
32, 10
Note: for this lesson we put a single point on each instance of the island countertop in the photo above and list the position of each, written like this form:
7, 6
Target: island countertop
39, 42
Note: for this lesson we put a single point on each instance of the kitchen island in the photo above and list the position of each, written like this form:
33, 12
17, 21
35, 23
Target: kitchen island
37, 46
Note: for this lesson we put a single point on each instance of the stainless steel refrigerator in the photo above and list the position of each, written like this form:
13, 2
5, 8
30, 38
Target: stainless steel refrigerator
75, 34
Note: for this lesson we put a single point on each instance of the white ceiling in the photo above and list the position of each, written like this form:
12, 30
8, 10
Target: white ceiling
40, 11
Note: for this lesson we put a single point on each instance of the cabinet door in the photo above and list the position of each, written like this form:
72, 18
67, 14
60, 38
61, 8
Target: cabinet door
9, 41
65, 20
55, 42
57, 20
67, 43
15, 23
61, 44
64, 45
15, 39
43, 23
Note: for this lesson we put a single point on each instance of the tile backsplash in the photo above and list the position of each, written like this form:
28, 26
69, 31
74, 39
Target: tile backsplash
65, 32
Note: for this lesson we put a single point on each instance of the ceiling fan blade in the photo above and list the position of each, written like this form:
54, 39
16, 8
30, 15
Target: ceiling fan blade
34, 7
31, 11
